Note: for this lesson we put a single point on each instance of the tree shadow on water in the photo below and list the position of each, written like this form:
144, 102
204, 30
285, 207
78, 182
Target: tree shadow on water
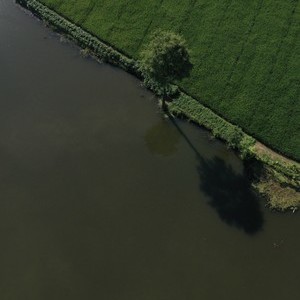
228, 192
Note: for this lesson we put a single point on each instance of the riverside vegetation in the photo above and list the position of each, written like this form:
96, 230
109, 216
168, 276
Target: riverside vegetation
276, 172
245, 54
166, 59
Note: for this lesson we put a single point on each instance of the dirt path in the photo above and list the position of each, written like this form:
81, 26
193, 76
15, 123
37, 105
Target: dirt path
261, 149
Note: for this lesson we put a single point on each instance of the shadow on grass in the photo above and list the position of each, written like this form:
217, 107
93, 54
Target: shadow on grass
229, 193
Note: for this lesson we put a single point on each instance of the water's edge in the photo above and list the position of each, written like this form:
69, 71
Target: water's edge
280, 170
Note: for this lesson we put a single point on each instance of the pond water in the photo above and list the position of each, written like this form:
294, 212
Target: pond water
102, 197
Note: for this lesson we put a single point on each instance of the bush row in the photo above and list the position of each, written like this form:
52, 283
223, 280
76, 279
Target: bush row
193, 110
189, 107
83, 38
184, 104
286, 173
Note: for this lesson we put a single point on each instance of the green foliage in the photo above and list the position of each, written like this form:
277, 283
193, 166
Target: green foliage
284, 172
83, 38
166, 58
193, 110
245, 54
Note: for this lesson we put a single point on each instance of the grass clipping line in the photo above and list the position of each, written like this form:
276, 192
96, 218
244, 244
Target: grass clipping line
281, 179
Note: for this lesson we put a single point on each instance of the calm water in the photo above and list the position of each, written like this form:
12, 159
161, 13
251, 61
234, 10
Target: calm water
101, 197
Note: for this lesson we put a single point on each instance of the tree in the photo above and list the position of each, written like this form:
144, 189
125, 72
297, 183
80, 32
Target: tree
165, 59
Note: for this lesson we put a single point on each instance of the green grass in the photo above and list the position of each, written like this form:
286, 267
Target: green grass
245, 54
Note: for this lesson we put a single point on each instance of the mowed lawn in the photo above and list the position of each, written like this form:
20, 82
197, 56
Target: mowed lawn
246, 54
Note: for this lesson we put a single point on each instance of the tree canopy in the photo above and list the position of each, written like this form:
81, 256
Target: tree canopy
166, 58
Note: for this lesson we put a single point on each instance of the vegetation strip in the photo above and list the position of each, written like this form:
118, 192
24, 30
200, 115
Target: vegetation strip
245, 54
285, 172
84, 39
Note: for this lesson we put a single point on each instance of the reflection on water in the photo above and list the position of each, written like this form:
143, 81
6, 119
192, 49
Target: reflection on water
230, 194
162, 138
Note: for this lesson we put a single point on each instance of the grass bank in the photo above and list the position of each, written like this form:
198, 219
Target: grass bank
245, 54
87, 41
274, 176
285, 173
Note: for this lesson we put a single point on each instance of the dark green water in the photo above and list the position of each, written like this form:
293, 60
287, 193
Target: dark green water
103, 198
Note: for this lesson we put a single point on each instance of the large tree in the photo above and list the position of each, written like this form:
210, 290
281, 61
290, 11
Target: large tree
165, 59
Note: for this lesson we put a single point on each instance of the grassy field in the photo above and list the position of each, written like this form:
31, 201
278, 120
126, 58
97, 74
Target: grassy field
246, 54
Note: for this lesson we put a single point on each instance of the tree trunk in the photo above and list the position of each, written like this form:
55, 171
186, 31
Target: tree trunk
164, 96
163, 104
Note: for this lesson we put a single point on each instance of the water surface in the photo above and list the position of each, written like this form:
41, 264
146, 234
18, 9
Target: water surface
102, 197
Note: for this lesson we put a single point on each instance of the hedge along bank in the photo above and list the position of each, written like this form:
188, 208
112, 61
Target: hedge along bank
284, 172
83, 38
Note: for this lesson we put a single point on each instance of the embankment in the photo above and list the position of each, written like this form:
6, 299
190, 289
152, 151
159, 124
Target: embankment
277, 170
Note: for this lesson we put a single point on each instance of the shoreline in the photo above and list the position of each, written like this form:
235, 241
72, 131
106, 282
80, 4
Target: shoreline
273, 169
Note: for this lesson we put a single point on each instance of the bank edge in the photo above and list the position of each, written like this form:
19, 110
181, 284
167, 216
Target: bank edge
272, 177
